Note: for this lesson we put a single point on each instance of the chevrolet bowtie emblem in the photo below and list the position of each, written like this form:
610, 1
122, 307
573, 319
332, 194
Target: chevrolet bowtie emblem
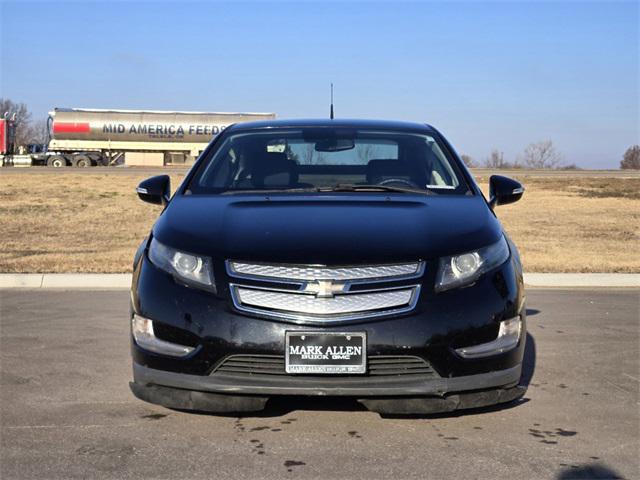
324, 288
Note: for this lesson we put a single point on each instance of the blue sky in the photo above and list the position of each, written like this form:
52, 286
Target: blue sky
487, 74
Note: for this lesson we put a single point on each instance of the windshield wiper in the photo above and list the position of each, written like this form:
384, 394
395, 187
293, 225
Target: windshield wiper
341, 187
356, 187
269, 190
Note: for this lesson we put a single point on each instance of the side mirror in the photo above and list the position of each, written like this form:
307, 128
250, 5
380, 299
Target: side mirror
504, 190
156, 190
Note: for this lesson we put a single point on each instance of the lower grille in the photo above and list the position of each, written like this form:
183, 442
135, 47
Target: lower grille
251, 365
297, 306
405, 365
310, 305
379, 366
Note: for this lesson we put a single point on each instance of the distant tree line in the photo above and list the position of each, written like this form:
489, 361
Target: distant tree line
27, 130
543, 155
631, 158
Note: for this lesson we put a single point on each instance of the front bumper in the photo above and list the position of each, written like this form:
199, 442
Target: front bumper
440, 323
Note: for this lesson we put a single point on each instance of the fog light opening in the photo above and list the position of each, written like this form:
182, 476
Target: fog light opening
142, 330
507, 339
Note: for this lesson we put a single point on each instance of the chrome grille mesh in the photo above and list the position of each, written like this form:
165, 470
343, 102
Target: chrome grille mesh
312, 305
312, 272
321, 294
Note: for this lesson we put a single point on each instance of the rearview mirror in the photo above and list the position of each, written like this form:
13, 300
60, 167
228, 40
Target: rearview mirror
334, 145
504, 190
156, 190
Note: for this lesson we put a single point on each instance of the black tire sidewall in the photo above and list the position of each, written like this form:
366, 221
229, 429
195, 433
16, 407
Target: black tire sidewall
81, 159
51, 161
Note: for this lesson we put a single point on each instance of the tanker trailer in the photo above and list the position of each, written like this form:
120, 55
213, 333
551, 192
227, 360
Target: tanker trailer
87, 137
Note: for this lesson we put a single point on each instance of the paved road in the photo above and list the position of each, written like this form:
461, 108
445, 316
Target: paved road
478, 172
66, 411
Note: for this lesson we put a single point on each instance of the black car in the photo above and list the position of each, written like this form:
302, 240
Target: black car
328, 257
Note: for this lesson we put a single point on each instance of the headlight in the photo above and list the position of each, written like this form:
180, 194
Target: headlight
466, 268
186, 267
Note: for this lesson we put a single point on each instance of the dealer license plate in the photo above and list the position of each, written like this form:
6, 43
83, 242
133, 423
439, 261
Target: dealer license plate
325, 353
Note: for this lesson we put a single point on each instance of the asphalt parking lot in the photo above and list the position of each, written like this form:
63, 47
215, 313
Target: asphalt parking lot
66, 410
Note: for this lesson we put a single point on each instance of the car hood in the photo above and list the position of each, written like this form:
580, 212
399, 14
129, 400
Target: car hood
327, 229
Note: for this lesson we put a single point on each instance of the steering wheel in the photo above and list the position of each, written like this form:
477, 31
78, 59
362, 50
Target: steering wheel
404, 181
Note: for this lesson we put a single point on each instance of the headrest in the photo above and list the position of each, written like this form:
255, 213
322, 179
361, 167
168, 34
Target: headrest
274, 169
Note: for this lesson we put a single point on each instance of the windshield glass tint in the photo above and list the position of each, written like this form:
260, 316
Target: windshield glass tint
325, 159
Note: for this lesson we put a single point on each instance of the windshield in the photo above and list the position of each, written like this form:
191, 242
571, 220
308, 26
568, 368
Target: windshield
328, 159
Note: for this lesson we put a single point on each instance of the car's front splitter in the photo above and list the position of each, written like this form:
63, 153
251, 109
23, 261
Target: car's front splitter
228, 393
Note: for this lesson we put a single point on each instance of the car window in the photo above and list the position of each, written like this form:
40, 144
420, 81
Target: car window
325, 158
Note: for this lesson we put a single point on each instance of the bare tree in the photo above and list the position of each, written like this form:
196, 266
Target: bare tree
631, 158
38, 132
22, 119
366, 152
306, 154
290, 153
309, 156
468, 161
542, 154
321, 159
496, 160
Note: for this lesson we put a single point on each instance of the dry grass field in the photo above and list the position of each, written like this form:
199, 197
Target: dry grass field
72, 222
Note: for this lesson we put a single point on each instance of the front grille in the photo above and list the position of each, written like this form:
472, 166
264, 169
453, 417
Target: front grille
297, 303
379, 366
298, 273
321, 294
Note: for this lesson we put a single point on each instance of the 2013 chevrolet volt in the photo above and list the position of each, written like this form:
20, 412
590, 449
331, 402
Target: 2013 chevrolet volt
328, 257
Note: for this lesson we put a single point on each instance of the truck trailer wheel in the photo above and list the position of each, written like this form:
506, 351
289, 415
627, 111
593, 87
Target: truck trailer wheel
56, 161
81, 161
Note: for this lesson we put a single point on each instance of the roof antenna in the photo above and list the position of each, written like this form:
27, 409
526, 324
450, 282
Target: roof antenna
331, 113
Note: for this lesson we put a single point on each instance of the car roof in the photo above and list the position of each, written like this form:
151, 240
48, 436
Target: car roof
335, 123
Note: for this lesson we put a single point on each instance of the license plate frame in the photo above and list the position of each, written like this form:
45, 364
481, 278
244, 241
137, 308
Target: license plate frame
296, 364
